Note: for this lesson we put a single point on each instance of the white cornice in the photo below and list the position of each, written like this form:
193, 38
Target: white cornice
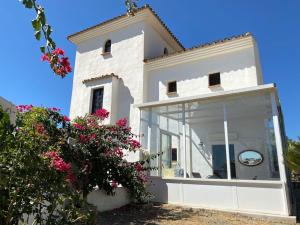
200, 53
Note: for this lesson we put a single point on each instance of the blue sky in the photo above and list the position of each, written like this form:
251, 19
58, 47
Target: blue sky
274, 23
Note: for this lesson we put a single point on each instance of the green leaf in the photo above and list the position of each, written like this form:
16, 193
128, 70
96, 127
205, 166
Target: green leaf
43, 49
27, 3
38, 35
36, 24
42, 17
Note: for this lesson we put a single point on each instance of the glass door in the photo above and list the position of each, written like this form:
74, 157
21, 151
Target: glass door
219, 161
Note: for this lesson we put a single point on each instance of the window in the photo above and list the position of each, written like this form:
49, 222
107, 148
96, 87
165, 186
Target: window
214, 79
172, 87
219, 163
166, 51
97, 99
107, 46
174, 155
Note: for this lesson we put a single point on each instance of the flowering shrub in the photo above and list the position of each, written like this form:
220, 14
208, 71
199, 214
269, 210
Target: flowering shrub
35, 178
45, 158
97, 151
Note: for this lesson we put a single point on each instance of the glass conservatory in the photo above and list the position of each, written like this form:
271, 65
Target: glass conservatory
218, 150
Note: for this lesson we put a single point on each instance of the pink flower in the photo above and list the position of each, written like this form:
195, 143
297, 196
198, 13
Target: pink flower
59, 64
78, 126
57, 162
102, 114
66, 119
122, 122
114, 184
24, 108
60, 165
83, 138
51, 154
138, 167
134, 143
59, 51
71, 178
143, 177
119, 152
93, 136
45, 57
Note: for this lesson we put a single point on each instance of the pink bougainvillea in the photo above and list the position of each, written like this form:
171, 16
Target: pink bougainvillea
83, 138
58, 62
134, 143
138, 167
101, 114
122, 122
57, 162
23, 108
66, 119
79, 127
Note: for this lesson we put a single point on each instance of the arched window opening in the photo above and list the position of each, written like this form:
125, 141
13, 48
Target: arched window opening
107, 46
166, 51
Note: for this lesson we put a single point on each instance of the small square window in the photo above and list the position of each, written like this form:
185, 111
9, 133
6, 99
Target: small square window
214, 79
172, 87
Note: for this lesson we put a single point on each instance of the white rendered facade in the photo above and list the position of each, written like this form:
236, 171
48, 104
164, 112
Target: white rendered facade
240, 114
9, 108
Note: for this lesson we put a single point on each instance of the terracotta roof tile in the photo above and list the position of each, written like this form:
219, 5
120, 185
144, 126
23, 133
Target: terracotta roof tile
126, 15
100, 77
236, 37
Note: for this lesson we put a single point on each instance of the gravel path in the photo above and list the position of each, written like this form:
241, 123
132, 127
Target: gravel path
164, 214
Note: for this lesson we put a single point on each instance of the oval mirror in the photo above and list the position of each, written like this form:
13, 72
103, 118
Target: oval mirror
250, 158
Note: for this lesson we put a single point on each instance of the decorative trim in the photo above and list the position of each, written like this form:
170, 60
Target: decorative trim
189, 55
100, 78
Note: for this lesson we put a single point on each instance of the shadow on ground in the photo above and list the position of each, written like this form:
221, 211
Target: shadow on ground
143, 214
166, 214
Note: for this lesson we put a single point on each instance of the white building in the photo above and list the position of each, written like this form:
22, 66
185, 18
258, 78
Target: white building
206, 108
8, 107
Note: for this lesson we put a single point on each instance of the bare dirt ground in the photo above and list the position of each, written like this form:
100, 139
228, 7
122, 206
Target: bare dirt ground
165, 214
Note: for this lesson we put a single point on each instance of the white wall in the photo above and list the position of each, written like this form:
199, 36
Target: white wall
254, 197
154, 43
126, 61
110, 91
238, 70
105, 202
9, 108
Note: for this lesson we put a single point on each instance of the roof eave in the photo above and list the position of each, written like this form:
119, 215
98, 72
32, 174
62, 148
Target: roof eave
74, 37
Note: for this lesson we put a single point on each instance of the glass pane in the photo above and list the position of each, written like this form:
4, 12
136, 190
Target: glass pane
166, 138
250, 129
206, 152
97, 99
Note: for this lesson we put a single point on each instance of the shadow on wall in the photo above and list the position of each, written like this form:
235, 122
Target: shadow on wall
159, 189
125, 100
